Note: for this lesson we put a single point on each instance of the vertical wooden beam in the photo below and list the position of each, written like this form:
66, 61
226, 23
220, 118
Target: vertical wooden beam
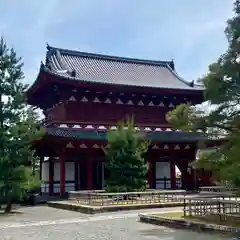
153, 174
50, 176
173, 175
186, 177
103, 175
62, 175
40, 173
182, 170
150, 173
89, 170
77, 187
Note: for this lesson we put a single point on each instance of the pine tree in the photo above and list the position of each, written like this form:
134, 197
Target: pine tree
125, 162
222, 91
18, 129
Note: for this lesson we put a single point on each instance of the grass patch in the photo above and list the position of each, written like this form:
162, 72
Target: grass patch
212, 219
175, 215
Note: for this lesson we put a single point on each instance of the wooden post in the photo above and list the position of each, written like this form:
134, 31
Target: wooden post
173, 175
89, 170
164, 182
77, 187
183, 167
62, 175
50, 176
40, 174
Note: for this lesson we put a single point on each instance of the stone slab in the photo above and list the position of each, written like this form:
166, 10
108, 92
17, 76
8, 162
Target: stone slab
88, 209
188, 224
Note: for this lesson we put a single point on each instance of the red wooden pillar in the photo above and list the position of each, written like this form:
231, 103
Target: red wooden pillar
50, 176
62, 175
150, 173
89, 171
173, 175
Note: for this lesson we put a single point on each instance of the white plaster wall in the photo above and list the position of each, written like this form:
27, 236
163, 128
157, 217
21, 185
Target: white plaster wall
45, 171
163, 170
70, 171
70, 176
56, 175
45, 177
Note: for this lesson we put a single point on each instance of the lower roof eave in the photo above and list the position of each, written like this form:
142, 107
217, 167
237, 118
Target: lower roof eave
94, 135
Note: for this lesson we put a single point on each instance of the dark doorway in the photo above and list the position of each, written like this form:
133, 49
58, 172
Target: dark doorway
82, 176
97, 175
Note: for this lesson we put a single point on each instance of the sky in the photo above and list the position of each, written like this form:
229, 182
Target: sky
189, 31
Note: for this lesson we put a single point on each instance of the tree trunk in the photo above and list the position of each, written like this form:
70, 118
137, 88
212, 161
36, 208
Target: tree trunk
9, 206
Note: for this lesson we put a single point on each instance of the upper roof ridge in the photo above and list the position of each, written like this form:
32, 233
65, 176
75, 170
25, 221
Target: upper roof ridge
93, 67
76, 53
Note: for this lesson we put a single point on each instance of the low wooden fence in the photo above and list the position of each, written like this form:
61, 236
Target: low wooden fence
216, 189
204, 207
219, 192
147, 197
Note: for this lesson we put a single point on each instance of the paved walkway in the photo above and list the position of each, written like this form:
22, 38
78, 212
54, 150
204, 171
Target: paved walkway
48, 223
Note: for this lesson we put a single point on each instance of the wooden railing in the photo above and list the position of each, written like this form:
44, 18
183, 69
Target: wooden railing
211, 208
95, 198
214, 189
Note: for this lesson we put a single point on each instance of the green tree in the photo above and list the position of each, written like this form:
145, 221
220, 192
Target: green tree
125, 162
18, 129
222, 91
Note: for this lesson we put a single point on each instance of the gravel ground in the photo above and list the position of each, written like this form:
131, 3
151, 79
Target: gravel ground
48, 223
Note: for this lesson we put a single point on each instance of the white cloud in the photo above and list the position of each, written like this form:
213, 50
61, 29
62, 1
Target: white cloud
155, 29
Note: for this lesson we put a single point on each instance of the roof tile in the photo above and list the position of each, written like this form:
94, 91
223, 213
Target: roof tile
113, 70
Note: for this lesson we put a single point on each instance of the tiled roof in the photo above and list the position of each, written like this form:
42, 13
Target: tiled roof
102, 135
113, 70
